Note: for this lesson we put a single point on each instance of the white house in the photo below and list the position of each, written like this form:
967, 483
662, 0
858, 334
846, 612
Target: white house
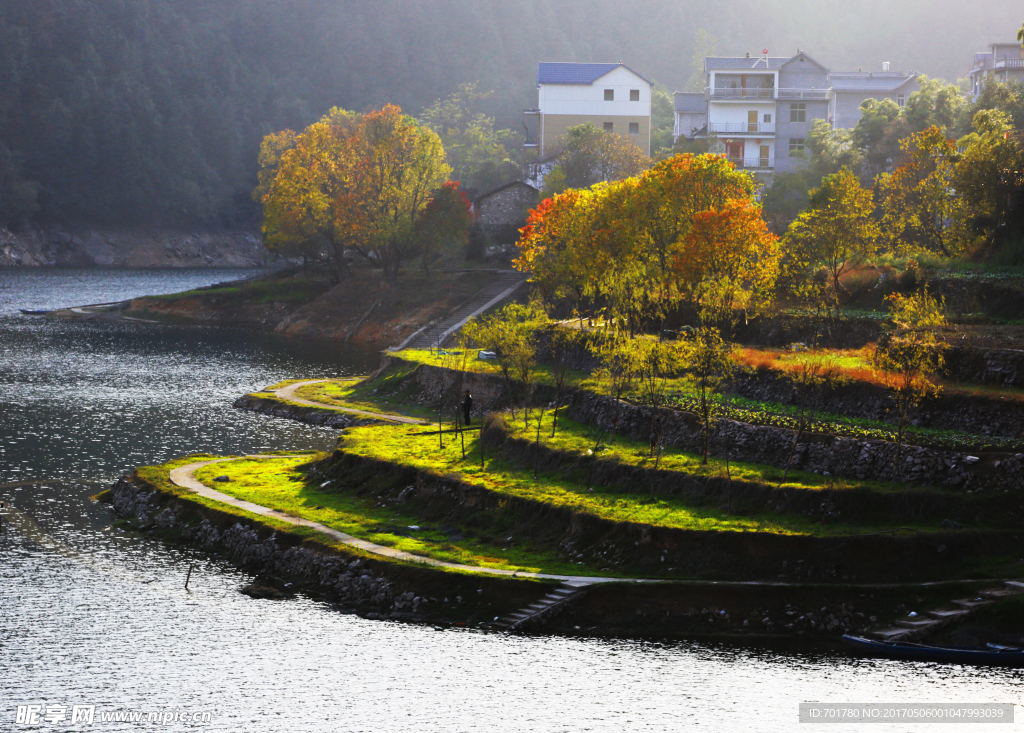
611, 97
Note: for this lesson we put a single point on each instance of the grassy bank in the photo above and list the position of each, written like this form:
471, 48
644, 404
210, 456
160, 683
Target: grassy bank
419, 448
283, 484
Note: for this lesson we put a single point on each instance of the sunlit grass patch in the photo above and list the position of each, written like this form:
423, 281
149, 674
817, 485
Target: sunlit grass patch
361, 394
420, 449
282, 484
575, 438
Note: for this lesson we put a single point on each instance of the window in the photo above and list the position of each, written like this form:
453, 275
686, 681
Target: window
634, 95
796, 146
901, 100
634, 128
609, 95
609, 126
767, 117
798, 112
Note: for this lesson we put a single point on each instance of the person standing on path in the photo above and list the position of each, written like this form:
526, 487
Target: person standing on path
467, 407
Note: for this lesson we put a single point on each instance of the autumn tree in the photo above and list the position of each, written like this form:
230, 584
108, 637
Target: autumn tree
634, 248
727, 262
910, 353
668, 198
353, 184
920, 211
836, 233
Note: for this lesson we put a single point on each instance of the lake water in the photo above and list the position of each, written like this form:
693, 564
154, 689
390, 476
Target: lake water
91, 615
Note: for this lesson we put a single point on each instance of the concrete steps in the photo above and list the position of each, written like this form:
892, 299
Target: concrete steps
954, 611
436, 334
555, 599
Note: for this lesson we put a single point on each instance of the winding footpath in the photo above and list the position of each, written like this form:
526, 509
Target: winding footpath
184, 476
289, 393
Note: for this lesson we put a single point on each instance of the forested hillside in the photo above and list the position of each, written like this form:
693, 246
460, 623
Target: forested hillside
147, 112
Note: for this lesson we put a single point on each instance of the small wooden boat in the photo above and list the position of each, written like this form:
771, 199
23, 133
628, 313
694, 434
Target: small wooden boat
1009, 656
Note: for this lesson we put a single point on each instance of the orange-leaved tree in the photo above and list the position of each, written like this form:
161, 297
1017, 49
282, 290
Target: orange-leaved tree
614, 246
727, 262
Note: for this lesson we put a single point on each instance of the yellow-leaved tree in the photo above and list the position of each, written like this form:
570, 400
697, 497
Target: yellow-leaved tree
352, 185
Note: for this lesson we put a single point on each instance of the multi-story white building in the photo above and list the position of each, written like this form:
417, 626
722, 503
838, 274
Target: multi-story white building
611, 97
1002, 62
758, 110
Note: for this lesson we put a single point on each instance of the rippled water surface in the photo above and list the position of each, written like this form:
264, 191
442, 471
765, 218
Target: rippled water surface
92, 615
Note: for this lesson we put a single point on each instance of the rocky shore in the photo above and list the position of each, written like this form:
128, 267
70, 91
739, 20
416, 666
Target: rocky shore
63, 247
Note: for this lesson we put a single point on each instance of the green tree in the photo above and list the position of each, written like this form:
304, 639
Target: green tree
877, 134
709, 363
443, 225
829, 149
836, 233
989, 179
920, 210
511, 333
590, 156
910, 354
1004, 96
663, 119
481, 155
940, 104
813, 380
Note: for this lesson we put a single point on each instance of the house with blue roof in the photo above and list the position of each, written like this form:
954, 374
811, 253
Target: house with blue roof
610, 96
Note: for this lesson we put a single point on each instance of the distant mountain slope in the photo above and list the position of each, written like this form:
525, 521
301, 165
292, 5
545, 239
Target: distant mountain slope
146, 112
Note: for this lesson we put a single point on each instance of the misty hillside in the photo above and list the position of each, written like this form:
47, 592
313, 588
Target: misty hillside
144, 112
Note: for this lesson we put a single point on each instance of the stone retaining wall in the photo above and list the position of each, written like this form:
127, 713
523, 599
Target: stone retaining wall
643, 548
822, 454
745, 497
367, 585
949, 411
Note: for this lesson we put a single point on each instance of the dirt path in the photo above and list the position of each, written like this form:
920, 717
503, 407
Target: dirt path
288, 393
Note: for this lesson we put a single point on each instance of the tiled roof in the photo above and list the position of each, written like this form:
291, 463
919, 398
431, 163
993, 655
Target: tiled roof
558, 72
868, 81
742, 62
690, 102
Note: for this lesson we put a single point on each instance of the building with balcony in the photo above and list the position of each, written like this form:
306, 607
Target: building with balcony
758, 110
611, 97
1002, 62
851, 88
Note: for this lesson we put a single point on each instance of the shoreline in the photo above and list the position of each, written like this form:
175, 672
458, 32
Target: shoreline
805, 613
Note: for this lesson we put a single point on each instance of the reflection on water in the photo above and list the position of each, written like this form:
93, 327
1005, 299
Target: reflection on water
94, 615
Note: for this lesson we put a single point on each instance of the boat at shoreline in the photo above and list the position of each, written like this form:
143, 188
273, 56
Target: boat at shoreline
993, 655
